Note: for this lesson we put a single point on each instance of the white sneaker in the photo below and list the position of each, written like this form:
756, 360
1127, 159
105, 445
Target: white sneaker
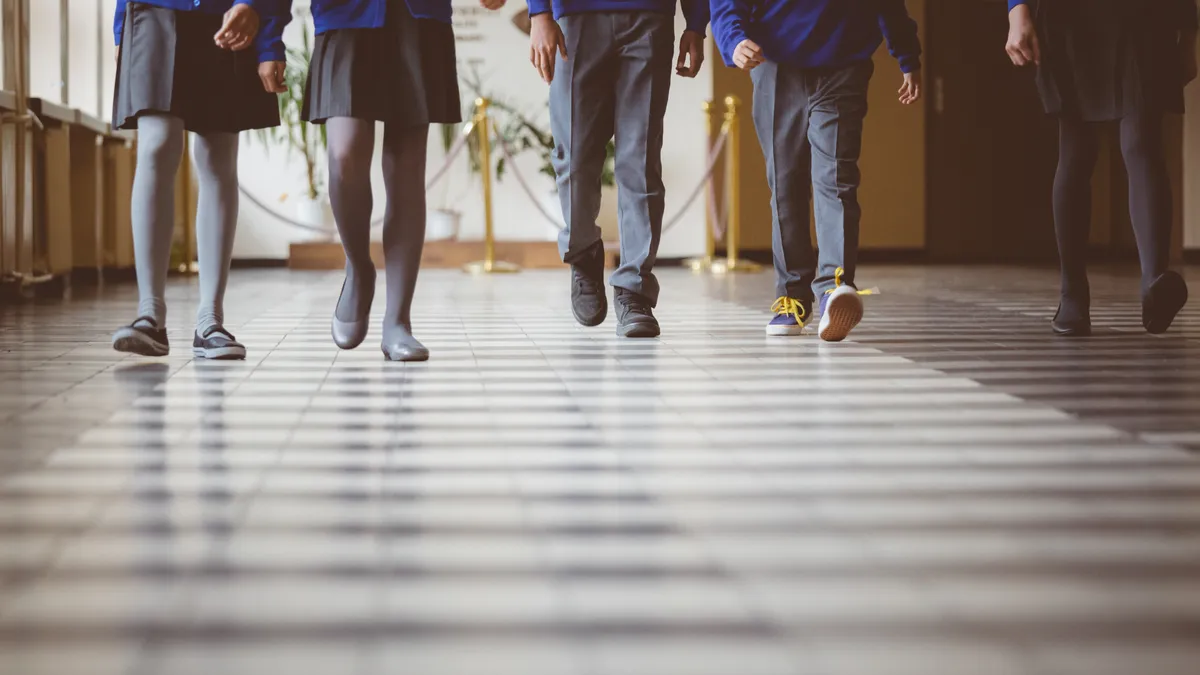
841, 310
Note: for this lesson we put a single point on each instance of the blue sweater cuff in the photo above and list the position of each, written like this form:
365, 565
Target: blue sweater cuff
910, 64
1012, 4
540, 7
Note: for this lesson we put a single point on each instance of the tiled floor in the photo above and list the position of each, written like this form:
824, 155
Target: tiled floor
956, 492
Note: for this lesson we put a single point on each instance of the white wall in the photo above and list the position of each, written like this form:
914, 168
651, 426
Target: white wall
490, 43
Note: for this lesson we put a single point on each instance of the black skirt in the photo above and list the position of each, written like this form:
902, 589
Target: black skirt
403, 73
1105, 59
169, 65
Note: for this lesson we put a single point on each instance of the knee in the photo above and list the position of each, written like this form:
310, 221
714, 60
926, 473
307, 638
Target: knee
1138, 147
160, 150
216, 158
348, 163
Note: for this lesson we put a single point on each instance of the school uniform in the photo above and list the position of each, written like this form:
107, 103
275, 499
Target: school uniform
385, 60
810, 102
169, 64
614, 85
1103, 60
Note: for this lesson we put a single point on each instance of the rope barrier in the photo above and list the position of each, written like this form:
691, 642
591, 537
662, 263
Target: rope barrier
713, 156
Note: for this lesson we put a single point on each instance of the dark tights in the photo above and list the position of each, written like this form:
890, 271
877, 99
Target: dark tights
1149, 201
351, 147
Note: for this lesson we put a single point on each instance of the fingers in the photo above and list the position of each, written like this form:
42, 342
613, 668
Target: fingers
681, 62
543, 61
562, 45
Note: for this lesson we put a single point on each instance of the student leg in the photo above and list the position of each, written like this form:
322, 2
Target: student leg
582, 99
645, 57
1163, 292
404, 152
351, 145
1078, 146
780, 112
159, 149
837, 112
216, 157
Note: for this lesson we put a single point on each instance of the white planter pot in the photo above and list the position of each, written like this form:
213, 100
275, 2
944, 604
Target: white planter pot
442, 225
316, 213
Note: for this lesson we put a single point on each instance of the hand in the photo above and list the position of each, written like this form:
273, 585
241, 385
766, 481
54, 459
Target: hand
691, 54
1187, 56
492, 4
545, 38
239, 28
747, 55
910, 91
1023, 47
272, 75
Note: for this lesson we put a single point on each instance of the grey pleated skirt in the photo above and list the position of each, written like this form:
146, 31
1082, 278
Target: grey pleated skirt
403, 73
1105, 59
169, 65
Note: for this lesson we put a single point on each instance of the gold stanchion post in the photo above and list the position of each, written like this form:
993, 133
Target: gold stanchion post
489, 264
705, 263
733, 168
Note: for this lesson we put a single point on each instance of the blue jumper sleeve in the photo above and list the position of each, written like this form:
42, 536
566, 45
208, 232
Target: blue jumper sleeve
273, 16
696, 14
539, 7
901, 32
119, 21
729, 21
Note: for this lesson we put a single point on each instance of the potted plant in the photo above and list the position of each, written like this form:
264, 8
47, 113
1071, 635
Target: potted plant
297, 136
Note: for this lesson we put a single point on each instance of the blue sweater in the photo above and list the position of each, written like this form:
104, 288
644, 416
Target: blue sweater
1183, 11
694, 11
337, 14
273, 16
817, 33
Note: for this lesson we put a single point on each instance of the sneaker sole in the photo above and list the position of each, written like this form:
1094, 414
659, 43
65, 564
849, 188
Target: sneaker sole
844, 312
220, 353
1166, 297
133, 342
638, 330
785, 331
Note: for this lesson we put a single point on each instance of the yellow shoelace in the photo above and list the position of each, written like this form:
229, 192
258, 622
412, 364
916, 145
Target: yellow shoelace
785, 305
837, 283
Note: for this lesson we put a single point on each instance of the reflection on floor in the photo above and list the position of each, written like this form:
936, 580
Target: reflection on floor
956, 492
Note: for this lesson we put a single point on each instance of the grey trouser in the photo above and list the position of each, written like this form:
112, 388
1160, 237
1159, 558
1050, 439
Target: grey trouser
613, 85
810, 126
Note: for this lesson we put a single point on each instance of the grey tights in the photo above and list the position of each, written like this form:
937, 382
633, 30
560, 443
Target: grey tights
351, 146
160, 148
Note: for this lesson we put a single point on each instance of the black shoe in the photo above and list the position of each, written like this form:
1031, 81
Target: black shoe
589, 303
634, 316
218, 344
1075, 326
1165, 297
143, 337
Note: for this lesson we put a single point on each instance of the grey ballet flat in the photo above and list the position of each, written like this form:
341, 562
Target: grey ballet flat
406, 348
350, 334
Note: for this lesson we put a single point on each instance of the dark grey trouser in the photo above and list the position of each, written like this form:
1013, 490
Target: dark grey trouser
810, 126
613, 85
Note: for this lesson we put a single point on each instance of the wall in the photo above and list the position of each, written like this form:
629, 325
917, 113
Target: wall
893, 161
